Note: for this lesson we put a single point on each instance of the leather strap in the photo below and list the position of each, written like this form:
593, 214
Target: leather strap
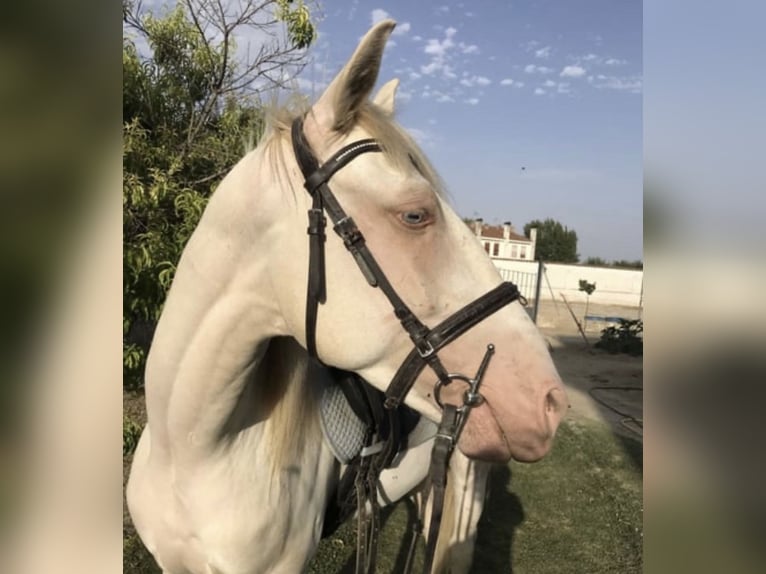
440, 455
444, 333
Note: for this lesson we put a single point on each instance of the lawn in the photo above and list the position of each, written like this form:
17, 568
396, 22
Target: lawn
578, 511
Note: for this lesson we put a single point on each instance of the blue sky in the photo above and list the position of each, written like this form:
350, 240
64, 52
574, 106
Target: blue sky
491, 87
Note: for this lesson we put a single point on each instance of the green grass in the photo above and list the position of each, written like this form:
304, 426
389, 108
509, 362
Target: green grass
579, 511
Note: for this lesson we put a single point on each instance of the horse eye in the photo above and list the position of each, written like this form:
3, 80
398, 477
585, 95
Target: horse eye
415, 217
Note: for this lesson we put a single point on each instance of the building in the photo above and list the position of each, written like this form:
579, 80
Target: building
503, 242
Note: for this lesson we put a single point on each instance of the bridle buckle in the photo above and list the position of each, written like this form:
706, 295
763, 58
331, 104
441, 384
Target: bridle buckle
425, 348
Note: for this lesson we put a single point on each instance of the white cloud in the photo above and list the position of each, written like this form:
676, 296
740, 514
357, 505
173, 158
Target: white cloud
439, 96
431, 68
572, 72
309, 87
539, 91
632, 84
506, 82
531, 45
590, 57
518, 84
563, 88
543, 52
549, 83
472, 101
439, 52
417, 38
422, 137
403, 96
414, 76
468, 48
615, 62
378, 15
532, 69
436, 47
471, 81
402, 28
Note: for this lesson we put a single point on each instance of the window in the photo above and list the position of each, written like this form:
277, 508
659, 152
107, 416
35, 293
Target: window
514, 251
495, 249
523, 252
486, 246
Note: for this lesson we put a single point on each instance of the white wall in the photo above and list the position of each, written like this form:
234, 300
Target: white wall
613, 286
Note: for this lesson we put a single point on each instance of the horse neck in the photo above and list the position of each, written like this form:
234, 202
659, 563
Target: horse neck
219, 316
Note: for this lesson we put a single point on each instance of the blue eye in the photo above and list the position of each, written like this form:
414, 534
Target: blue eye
416, 217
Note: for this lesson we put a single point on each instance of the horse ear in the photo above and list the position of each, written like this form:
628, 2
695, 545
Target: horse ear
385, 96
337, 107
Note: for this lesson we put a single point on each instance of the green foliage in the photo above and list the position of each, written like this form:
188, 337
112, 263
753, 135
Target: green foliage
555, 242
189, 114
298, 19
131, 432
627, 337
589, 288
622, 263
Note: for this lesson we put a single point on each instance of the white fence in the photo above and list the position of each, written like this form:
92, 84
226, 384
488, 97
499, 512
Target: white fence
613, 286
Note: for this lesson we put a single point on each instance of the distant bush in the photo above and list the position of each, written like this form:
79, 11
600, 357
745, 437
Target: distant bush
627, 337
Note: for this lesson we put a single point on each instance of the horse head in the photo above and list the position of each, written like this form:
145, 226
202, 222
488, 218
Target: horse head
430, 258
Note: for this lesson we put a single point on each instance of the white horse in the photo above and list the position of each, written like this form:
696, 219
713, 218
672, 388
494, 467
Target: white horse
232, 474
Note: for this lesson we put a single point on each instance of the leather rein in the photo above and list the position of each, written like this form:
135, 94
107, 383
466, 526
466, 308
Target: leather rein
427, 342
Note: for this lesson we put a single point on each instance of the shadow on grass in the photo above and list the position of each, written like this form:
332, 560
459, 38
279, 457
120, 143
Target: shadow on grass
634, 449
502, 515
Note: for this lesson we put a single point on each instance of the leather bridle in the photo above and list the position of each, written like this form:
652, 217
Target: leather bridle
427, 342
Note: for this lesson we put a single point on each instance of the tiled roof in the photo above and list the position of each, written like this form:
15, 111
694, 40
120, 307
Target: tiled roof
496, 232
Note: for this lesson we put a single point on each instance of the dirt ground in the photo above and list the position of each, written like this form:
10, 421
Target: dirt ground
601, 386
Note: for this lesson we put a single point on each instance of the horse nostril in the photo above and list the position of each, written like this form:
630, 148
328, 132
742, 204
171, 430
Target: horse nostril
555, 402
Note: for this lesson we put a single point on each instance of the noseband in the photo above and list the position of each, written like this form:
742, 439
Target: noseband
427, 342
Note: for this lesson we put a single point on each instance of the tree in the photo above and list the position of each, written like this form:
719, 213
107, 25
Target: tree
624, 264
555, 242
190, 109
596, 262
588, 288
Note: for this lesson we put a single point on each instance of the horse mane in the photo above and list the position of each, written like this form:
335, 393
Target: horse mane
292, 428
398, 146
